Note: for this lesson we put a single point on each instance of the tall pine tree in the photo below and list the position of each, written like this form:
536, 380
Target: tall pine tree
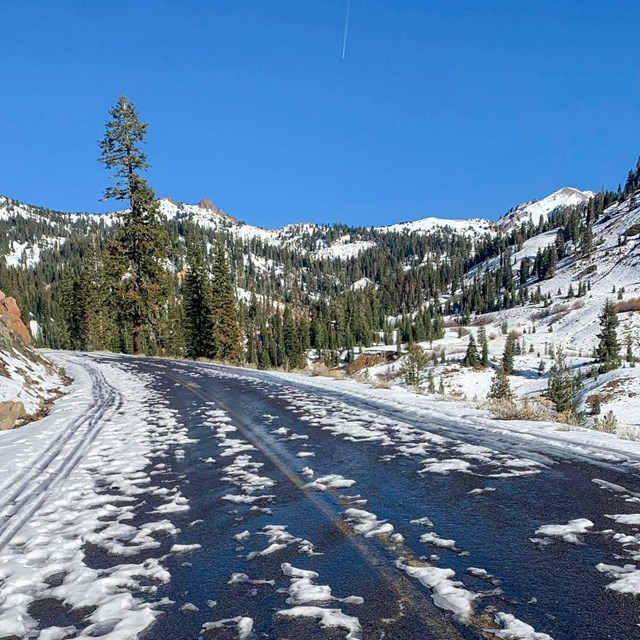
227, 337
140, 248
608, 347
198, 327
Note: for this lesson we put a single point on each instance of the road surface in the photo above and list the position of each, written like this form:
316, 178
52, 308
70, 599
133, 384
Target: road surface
172, 500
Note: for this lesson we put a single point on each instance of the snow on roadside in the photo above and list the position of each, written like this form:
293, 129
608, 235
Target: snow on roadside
27, 381
536, 437
96, 474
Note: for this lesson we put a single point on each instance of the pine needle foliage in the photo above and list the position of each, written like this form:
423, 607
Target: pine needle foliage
139, 250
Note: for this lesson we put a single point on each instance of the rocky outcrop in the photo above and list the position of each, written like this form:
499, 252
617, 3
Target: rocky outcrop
10, 317
11, 413
205, 203
28, 382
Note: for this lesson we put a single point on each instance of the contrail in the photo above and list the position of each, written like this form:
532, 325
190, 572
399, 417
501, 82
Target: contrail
346, 29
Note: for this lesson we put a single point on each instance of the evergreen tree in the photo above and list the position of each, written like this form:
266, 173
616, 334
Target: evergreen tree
198, 327
75, 311
608, 346
471, 358
586, 240
414, 364
563, 385
508, 354
292, 346
139, 250
484, 347
500, 387
227, 339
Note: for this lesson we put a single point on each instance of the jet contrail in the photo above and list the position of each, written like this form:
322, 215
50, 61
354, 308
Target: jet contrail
346, 29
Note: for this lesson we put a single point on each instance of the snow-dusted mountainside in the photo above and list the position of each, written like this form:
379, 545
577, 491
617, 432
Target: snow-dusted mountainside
471, 227
533, 210
611, 271
307, 238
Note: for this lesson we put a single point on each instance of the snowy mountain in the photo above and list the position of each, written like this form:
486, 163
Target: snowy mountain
305, 237
533, 210
470, 227
530, 210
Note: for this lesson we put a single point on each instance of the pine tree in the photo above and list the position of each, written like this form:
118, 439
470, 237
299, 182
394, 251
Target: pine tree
500, 387
291, 338
101, 307
563, 385
586, 240
471, 358
628, 341
75, 310
484, 347
198, 327
608, 347
227, 339
414, 364
140, 247
508, 354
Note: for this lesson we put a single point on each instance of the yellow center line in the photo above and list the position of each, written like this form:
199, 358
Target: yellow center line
409, 598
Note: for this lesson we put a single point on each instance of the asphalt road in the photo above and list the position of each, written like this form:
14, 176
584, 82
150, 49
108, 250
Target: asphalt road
280, 474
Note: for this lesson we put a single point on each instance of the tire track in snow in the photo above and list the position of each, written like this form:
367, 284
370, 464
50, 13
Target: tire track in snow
59, 458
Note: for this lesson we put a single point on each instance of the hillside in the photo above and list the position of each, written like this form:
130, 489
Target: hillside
353, 290
561, 320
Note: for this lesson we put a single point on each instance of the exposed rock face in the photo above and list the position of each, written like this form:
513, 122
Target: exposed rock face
10, 317
28, 382
205, 203
10, 413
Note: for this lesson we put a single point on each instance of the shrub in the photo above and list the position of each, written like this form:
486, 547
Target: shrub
593, 402
608, 424
633, 304
526, 409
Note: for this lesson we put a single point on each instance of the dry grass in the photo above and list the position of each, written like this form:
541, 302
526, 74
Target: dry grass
378, 383
629, 432
321, 369
525, 409
607, 424
557, 311
483, 320
633, 304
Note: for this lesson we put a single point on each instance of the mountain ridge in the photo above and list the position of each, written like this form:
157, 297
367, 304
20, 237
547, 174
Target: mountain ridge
206, 212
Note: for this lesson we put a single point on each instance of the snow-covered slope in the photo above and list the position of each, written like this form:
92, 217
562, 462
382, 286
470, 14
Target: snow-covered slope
612, 272
535, 209
471, 227
529, 210
28, 382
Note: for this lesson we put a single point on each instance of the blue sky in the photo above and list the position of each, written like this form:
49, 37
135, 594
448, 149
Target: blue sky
456, 108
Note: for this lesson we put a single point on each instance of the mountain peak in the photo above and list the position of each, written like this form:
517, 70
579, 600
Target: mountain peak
205, 203
535, 209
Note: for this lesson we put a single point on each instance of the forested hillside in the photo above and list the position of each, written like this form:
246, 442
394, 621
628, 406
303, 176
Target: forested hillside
173, 279
330, 288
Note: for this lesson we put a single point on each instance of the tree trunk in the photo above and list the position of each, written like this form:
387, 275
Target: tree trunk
137, 342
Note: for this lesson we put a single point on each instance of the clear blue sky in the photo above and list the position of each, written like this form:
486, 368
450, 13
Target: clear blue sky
451, 108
